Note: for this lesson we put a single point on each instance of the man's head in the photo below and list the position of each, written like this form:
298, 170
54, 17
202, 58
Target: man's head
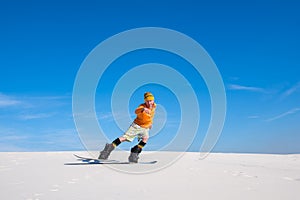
149, 99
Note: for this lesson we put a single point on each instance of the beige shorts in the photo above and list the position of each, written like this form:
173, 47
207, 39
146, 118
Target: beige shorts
136, 131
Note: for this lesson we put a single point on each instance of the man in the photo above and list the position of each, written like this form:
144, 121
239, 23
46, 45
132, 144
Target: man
139, 128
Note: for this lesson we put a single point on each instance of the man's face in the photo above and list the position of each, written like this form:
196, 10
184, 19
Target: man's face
149, 103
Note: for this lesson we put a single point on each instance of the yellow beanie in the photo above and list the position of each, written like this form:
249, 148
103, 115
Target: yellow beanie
148, 96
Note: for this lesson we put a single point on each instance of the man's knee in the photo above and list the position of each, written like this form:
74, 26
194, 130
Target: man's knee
122, 139
145, 139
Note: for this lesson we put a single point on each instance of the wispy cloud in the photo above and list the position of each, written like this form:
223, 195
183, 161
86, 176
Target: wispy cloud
234, 78
109, 116
11, 137
36, 116
291, 90
45, 139
245, 88
25, 108
253, 117
105, 116
290, 112
32, 101
8, 101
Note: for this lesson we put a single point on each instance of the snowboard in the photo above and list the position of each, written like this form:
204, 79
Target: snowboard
91, 161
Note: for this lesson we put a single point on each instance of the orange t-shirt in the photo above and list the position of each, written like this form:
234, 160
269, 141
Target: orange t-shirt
142, 118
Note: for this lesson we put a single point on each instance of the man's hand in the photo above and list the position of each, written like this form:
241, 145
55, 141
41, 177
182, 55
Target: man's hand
147, 110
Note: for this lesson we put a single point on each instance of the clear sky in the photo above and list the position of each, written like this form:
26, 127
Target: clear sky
254, 44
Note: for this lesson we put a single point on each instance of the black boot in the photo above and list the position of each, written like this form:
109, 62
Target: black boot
134, 154
104, 154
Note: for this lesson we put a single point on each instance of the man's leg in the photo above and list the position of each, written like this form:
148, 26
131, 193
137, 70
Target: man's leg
104, 154
136, 150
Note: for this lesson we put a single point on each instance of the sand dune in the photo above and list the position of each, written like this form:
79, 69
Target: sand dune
44, 175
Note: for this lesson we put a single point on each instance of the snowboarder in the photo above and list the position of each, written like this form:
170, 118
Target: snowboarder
139, 128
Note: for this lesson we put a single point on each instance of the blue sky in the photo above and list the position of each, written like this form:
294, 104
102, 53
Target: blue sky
255, 45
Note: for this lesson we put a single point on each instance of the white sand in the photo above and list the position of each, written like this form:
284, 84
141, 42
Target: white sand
220, 176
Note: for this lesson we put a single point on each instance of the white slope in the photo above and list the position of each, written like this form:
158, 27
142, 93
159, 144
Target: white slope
45, 176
